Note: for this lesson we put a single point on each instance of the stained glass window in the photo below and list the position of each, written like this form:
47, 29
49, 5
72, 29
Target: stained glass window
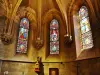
86, 34
23, 36
54, 37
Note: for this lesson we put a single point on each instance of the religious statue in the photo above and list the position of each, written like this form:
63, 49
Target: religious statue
37, 65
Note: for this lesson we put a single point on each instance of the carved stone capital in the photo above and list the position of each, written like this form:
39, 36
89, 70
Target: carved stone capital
68, 39
38, 43
6, 38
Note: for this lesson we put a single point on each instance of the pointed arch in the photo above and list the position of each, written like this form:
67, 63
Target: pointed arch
23, 36
54, 37
73, 20
52, 14
83, 35
86, 34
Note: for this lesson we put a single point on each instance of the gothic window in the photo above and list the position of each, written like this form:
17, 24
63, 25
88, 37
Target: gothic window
86, 34
23, 36
54, 37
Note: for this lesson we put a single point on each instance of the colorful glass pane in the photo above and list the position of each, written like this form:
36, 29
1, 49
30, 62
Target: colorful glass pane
54, 47
54, 37
83, 12
23, 36
54, 24
24, 23
83, 29
22, 46
86, 34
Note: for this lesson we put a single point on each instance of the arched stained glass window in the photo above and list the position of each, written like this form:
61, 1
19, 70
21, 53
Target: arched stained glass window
86, 34
54, 37
23, 36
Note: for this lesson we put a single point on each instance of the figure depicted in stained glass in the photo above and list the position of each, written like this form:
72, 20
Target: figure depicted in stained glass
21, 33
24, 23
54, 37
21, 48
86, 34
54, 48
23, 36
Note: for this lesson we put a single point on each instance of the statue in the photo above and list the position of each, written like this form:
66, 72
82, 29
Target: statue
37, 65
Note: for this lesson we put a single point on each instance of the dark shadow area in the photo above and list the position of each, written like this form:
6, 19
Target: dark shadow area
41, 67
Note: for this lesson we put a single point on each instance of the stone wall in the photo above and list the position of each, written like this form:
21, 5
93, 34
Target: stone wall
84, 67
19, 68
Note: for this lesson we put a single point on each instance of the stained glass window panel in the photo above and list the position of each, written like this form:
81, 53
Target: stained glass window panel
83, 29
83, 12
23, 36
86, 34
54, 24
54, 47
54, 37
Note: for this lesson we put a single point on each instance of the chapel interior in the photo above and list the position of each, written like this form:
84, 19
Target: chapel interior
49, 37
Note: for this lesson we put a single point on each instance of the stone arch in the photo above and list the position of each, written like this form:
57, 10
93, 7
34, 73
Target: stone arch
72, 18
51, 12
75, 6
30, 14
48, 17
